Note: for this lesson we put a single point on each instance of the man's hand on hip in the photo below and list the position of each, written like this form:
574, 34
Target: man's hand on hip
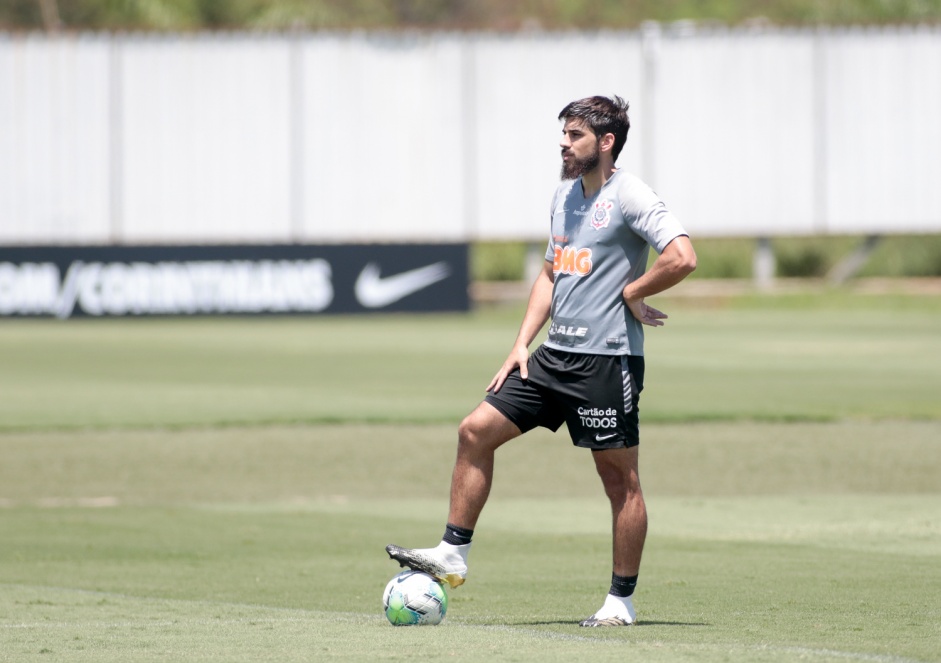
518, 358
648, 315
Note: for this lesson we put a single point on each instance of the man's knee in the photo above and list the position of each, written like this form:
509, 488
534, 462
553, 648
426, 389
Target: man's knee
468, 433
485, 429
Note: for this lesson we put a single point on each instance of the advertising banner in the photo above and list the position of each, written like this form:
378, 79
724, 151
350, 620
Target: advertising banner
75, 281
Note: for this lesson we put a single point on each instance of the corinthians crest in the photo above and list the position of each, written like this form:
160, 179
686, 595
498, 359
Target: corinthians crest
601, 214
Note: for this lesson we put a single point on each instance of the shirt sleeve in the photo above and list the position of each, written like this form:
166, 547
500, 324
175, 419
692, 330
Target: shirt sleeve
647, 216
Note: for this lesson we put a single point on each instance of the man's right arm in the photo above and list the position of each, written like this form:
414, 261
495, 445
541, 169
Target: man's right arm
537, 313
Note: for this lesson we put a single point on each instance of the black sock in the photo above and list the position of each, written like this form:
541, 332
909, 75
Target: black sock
457, 536
622, 585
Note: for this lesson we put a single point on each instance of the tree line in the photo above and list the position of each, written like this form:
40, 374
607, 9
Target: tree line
500, 15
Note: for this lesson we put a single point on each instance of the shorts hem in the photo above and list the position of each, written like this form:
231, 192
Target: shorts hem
505, 410
628, 444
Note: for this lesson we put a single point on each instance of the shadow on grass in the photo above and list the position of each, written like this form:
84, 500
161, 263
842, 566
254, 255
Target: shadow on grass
569, 622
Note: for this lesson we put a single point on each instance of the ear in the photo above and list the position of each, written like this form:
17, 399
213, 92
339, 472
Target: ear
606, 144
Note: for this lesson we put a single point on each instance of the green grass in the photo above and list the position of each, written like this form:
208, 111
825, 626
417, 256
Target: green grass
235, 545
741, 360
221, 490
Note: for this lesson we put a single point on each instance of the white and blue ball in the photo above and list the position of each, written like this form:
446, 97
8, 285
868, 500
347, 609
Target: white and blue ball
414, 598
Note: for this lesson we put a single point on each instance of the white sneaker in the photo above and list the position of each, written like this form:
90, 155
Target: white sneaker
616, 611
446, 562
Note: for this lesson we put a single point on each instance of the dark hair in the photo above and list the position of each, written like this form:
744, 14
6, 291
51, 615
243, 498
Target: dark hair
603, 116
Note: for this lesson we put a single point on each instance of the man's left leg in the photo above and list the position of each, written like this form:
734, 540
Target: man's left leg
618, 471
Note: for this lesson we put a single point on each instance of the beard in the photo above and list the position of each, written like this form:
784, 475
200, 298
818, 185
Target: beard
577, 167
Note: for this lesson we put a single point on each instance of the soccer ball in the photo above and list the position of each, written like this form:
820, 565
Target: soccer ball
414, 598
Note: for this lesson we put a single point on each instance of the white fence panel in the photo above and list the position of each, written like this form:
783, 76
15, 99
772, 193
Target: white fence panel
447, 137
383, 122
883, 139
734, 132
206, 132
54, 140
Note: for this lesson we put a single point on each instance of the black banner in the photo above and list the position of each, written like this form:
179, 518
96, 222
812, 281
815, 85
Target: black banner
68, 281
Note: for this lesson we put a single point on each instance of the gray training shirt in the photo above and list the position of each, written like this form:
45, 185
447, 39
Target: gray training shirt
597, 246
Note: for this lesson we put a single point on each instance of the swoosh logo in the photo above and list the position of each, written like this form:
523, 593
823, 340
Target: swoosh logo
602, 438
374, 291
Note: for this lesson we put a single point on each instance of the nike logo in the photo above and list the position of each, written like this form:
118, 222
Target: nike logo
602, 438
373, 291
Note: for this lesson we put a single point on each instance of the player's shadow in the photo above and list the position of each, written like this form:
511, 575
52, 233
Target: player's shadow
641, 622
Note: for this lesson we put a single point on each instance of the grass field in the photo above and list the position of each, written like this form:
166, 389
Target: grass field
222, 490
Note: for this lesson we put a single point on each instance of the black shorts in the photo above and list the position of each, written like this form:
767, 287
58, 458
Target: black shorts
595, 395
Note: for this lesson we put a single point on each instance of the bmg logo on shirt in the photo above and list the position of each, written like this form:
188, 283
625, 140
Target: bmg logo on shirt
571, 260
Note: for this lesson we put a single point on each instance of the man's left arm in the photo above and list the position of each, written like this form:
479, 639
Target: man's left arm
675, 263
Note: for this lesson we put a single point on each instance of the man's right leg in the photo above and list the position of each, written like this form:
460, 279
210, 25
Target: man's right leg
481, 433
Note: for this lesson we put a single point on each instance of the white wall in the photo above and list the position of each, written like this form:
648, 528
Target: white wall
734, 133
381, 130
205, 139
54, 139
882, 143
446, 136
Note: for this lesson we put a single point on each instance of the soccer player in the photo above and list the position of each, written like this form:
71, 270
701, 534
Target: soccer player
590, 371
